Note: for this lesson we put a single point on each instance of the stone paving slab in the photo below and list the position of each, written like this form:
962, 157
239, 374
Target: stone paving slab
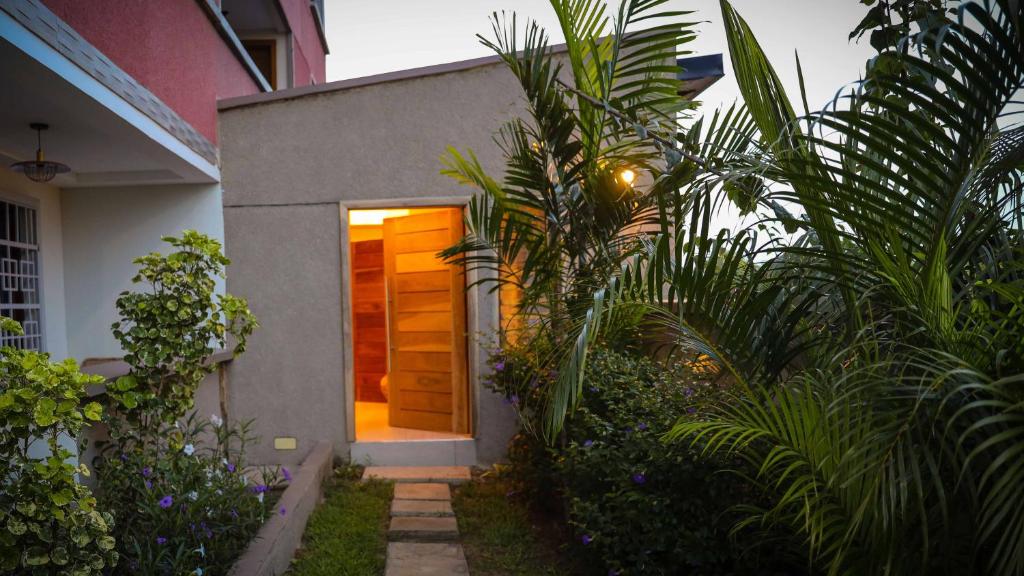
425, 559
446, 474
419, 491
421, 508
423, 529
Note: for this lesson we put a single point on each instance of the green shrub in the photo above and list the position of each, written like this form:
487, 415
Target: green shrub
168, 330
180, 507
49, 523
639, 505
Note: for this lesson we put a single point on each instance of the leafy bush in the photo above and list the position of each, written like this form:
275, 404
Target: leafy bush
183, 508
168, 330
49, 523
639, 505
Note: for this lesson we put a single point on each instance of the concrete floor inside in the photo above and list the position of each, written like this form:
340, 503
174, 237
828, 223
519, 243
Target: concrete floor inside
372, 426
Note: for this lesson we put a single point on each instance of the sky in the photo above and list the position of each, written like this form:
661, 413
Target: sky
371, 37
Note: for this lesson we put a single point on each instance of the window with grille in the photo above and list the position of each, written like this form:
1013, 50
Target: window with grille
19, 274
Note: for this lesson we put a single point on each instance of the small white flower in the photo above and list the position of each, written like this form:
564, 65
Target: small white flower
201, 550
193, 495
198, 572
216, 420
260, 497
189, 449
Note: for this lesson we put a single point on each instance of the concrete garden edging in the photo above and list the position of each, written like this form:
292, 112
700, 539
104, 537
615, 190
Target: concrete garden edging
271, 551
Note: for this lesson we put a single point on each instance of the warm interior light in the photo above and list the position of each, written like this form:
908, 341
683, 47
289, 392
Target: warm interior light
374, 217
627, 176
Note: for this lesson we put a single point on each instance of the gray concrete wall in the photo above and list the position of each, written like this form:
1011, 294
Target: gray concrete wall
289, 165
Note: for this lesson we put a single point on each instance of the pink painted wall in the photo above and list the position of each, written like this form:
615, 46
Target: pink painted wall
308, 57
169, 46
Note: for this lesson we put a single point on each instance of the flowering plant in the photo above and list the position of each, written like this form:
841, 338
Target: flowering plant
187, 505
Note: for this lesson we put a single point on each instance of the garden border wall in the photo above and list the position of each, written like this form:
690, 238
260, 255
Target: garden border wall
271, 551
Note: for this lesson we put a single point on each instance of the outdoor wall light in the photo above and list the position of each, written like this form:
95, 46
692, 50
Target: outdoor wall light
40, 169
627, 176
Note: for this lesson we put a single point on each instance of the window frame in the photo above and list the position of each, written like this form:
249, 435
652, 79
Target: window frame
34, 205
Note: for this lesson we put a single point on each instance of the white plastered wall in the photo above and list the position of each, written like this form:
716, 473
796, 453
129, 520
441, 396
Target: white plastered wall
104, 230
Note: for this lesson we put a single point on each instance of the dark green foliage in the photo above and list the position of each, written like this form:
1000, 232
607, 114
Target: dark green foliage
640, 505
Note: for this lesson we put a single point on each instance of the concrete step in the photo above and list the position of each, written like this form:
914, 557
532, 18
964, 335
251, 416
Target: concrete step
425, 559
419, 474
422, 529
453, 452
421, 508
415, 491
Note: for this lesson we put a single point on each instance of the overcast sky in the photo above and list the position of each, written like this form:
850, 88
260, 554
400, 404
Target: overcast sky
370, 37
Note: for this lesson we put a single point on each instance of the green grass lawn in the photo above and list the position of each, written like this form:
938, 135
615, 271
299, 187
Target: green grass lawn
347, 534
499, 537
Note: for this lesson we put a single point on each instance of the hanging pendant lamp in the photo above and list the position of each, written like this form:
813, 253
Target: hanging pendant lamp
40, 169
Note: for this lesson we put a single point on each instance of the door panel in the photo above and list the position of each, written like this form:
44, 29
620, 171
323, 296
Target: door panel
426, 323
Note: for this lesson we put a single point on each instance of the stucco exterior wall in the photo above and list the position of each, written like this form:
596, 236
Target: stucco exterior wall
289, 166
104, 229
285, 261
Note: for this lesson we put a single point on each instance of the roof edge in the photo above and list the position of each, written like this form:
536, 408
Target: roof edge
383, 78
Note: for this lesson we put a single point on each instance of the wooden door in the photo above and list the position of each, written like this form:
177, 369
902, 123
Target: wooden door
427, 383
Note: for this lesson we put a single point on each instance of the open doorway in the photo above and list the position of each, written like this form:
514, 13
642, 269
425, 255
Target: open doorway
408, 325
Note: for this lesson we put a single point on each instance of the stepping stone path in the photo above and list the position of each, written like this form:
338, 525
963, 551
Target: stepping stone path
423, 537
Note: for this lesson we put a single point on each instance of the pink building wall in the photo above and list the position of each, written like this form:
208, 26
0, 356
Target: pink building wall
170, 47
308, 57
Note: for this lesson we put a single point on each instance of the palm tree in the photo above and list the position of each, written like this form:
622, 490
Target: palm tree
567, 212
879, 356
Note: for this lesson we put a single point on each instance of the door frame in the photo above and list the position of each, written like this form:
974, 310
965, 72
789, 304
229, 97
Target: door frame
481, 307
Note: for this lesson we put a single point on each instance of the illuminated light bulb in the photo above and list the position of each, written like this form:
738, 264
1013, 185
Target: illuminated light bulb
627, 176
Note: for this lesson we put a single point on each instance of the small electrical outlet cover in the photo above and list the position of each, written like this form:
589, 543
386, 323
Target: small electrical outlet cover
284, 443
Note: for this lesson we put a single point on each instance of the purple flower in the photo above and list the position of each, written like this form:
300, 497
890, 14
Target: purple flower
639, 478
287, 475
149, 485
259, 489
146, 471
231, 467
499, 366
161, 540
166, 502
688, 391
691, 410
594, 389
124, 457
588, 443
283, 511
514, 399
234, 513
586, 539
641, 426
